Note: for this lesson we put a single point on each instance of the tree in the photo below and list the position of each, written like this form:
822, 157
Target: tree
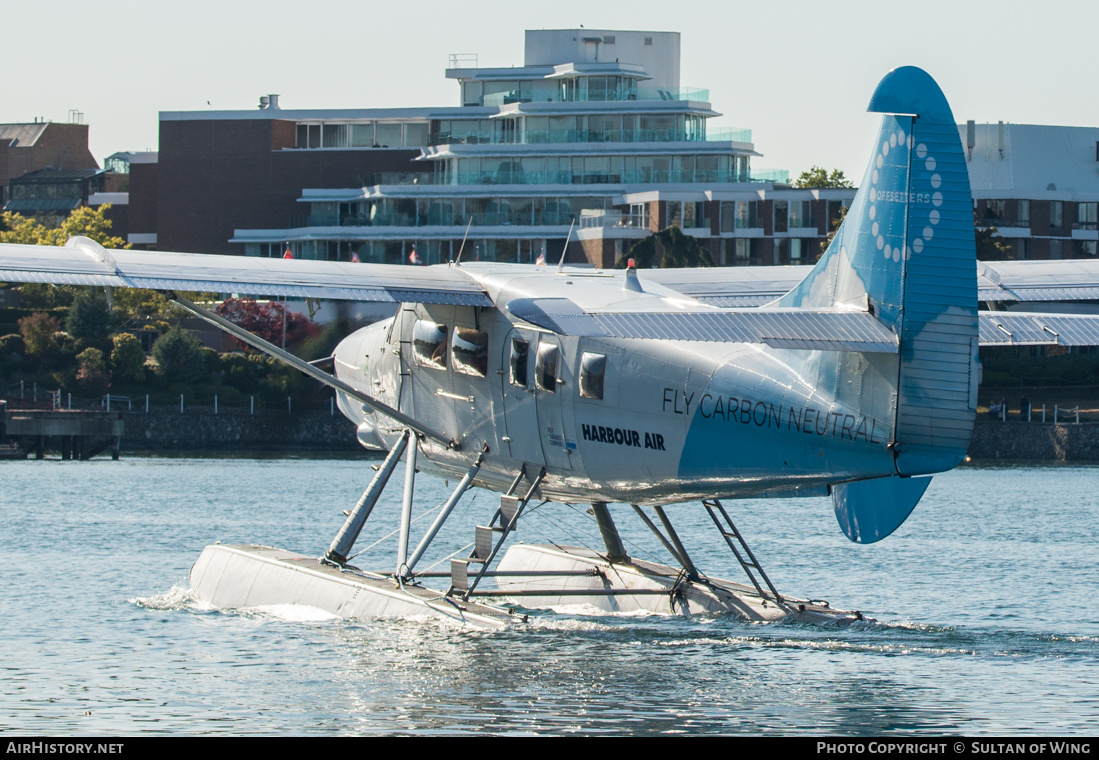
136, 303
818, 178
39, 331
178, 355
679, 250
990, 246
266, 320
127, 358
85, 221
92, 378
89, 317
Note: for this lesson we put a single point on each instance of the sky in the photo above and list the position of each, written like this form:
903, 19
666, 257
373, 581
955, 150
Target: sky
798, 73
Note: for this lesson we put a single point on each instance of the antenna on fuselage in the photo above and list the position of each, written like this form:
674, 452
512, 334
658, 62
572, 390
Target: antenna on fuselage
463, 245
565, 250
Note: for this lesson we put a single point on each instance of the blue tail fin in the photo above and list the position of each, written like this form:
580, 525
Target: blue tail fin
906, 250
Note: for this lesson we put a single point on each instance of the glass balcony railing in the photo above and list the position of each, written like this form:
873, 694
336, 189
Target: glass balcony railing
632, 177
554, 136
610, 94
673, 93
728, 134
514, 177
522, 217
778, 176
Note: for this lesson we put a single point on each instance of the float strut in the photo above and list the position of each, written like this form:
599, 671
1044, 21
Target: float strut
345, 539
616, 552
406, 509
452, 502
692, 572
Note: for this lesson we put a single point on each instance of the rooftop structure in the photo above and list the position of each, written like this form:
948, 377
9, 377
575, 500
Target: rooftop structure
1037, 185
29, 147
593, 132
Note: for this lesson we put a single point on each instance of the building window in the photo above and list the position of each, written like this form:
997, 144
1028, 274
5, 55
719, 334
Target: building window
334, 136
994, 209
726, 211
675, 214
801, 214
1086, 216
738, 252
747, 214
1056, 216
471, 93
1023, 213
1055, 249
1086, 249
782, 211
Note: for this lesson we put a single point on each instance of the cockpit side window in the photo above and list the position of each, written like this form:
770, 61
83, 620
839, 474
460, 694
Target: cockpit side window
470, 351
593, 370
520, 350
429, 344
545, 369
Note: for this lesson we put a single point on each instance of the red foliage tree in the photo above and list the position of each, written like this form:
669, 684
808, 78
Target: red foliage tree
266, 320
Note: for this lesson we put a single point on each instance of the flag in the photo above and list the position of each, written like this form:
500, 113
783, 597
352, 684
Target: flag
541, 260
414, 258
288, 254
355, 257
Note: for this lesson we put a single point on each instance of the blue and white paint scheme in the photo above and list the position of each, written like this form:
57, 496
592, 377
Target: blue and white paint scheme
857, 381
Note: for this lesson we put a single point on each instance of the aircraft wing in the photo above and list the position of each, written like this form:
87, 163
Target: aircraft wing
997, 281
84, 262
1065, 280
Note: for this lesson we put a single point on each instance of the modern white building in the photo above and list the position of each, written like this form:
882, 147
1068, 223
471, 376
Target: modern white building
1037, 185
594, 132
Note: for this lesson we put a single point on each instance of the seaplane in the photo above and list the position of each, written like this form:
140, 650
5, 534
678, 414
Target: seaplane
654, 391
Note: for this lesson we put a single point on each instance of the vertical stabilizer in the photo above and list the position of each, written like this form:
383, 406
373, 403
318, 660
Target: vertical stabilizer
906, 251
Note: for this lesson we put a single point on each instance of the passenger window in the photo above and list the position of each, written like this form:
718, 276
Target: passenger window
593, 367
545, 369
519, 351
429, 344
470, 351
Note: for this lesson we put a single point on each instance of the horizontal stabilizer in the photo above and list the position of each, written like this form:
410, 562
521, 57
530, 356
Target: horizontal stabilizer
869, 510
1000, 328
812, 329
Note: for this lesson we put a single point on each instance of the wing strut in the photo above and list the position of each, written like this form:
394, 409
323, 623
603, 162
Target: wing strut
303, 366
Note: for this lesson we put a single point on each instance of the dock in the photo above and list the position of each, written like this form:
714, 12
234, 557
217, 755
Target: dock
78, 435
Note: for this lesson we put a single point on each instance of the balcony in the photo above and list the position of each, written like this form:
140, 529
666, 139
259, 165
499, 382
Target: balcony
566, 136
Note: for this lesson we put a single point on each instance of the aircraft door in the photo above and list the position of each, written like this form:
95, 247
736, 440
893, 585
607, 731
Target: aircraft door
426, 342
553, 394
520, 413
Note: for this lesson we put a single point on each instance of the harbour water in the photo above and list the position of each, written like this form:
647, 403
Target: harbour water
983, 605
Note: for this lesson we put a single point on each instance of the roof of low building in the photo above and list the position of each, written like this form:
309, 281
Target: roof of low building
52, 175
1033, 160
22, 135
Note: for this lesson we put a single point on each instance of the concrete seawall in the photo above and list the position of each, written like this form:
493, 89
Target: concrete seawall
196, 431
1036, 441
321, 431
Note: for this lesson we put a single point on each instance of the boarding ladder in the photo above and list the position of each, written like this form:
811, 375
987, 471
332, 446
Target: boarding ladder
747, 560
489, 539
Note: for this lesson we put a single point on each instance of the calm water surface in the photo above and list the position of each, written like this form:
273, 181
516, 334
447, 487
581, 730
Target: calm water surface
984, 603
